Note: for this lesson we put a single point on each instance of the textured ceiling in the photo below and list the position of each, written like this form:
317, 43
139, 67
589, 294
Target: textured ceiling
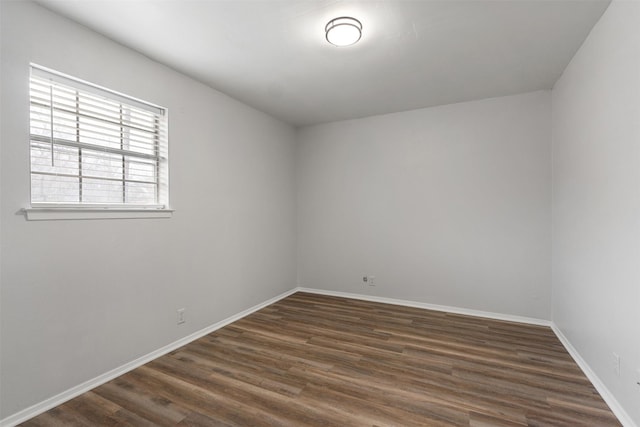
273, 55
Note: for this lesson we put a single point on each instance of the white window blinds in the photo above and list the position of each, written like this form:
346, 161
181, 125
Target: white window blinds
91, 147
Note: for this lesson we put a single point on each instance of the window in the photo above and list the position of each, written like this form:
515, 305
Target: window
94, 148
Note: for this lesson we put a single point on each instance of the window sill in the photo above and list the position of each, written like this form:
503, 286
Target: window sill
52, 214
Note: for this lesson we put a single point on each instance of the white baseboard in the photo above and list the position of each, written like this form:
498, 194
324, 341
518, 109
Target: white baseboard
69, 394
445, 308
610, 400
615, 407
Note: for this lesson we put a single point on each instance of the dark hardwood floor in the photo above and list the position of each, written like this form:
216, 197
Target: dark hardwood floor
327, 361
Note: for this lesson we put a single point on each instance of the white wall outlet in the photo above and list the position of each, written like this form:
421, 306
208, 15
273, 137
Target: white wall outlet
365, 279
181, 318
616, 364
372, 280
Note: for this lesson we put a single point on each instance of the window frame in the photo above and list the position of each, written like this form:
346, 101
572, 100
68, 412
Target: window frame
160, 158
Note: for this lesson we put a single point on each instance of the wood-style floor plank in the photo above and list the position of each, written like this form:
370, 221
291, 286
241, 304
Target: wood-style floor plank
312, 360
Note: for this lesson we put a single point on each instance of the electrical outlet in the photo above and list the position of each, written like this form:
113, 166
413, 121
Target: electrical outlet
638, 378
181, 318
365, 279
616, 364
372, 280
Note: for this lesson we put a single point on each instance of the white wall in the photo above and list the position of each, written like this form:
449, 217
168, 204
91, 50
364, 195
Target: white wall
596, 201
79, 298
447, 205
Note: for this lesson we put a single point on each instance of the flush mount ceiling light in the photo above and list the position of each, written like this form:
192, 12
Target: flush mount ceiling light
343, 31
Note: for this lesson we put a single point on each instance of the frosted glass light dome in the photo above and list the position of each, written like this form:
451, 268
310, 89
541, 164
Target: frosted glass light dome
343, 31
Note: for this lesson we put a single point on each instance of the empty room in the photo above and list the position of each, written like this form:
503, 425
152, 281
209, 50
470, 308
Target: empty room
320, 213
